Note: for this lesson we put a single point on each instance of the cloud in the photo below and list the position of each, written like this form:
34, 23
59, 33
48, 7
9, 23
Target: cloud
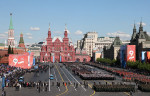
6, 32
122, 35
34, 28
148, 33
78, 32
28, 34
2, 35
29, 37
68, 31
144, 24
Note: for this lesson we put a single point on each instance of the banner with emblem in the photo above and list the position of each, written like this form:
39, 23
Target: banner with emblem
131, 55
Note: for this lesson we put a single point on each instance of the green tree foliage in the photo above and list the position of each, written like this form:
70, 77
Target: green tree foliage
9, 50
107, 61
138, 65
12, 51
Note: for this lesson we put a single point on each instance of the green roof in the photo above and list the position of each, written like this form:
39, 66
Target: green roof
117, 41
2, 44
100, 37
111, 37
11, 24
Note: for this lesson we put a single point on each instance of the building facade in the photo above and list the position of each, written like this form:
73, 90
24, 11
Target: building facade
92, 41
36, 49
60, 50
141, 39
57, 49
88, 42
112, 51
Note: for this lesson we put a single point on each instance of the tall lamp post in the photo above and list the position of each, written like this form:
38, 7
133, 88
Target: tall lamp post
49, 78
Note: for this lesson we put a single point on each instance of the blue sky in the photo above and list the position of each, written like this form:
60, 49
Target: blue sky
107, 17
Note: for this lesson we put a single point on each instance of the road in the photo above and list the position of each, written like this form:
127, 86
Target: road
63, 74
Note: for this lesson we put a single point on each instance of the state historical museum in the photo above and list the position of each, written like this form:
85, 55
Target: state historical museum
61, 50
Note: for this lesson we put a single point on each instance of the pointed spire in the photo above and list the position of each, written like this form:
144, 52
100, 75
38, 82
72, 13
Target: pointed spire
66, 33
141, 26
11, 24
134, 25
49, 32
65, 27
141, 23
49, 27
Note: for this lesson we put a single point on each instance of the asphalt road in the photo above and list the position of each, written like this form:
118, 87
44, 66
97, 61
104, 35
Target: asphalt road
63, 74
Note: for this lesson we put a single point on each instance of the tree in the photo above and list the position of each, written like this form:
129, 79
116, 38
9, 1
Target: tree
12, 51
9, 50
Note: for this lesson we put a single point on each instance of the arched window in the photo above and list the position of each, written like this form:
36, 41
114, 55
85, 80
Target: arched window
65, 58
43, 58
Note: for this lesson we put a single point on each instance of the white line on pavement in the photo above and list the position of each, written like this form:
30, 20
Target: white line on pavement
58, 88
68, 78
55, 75
66, 75
75, 89
75, 79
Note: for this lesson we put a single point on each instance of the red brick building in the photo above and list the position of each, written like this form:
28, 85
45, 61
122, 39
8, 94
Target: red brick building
60, 50
21, 42
12, 43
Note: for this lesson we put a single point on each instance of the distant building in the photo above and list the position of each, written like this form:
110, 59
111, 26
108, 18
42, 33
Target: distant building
36, 49
88, 42
2, 45
141, 39
91, 41
112, 51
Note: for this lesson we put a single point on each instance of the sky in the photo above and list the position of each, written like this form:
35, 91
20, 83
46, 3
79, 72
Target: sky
106, 17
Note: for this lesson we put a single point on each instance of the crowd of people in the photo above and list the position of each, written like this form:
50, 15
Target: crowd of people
6, 69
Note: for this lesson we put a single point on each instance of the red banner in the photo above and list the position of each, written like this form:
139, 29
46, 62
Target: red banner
131, 55
148, 56
24, 61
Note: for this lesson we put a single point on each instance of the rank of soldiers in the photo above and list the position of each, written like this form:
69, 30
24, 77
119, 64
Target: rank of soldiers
114, 88
144, 87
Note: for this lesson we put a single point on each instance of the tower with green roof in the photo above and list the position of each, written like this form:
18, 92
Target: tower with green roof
11, 40
21, 42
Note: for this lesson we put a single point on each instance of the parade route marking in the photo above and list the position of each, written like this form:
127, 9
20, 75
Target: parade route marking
56, 78
55, 75
91, 88
65, 75
58, 88
75, 79
62, 80
68, 78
